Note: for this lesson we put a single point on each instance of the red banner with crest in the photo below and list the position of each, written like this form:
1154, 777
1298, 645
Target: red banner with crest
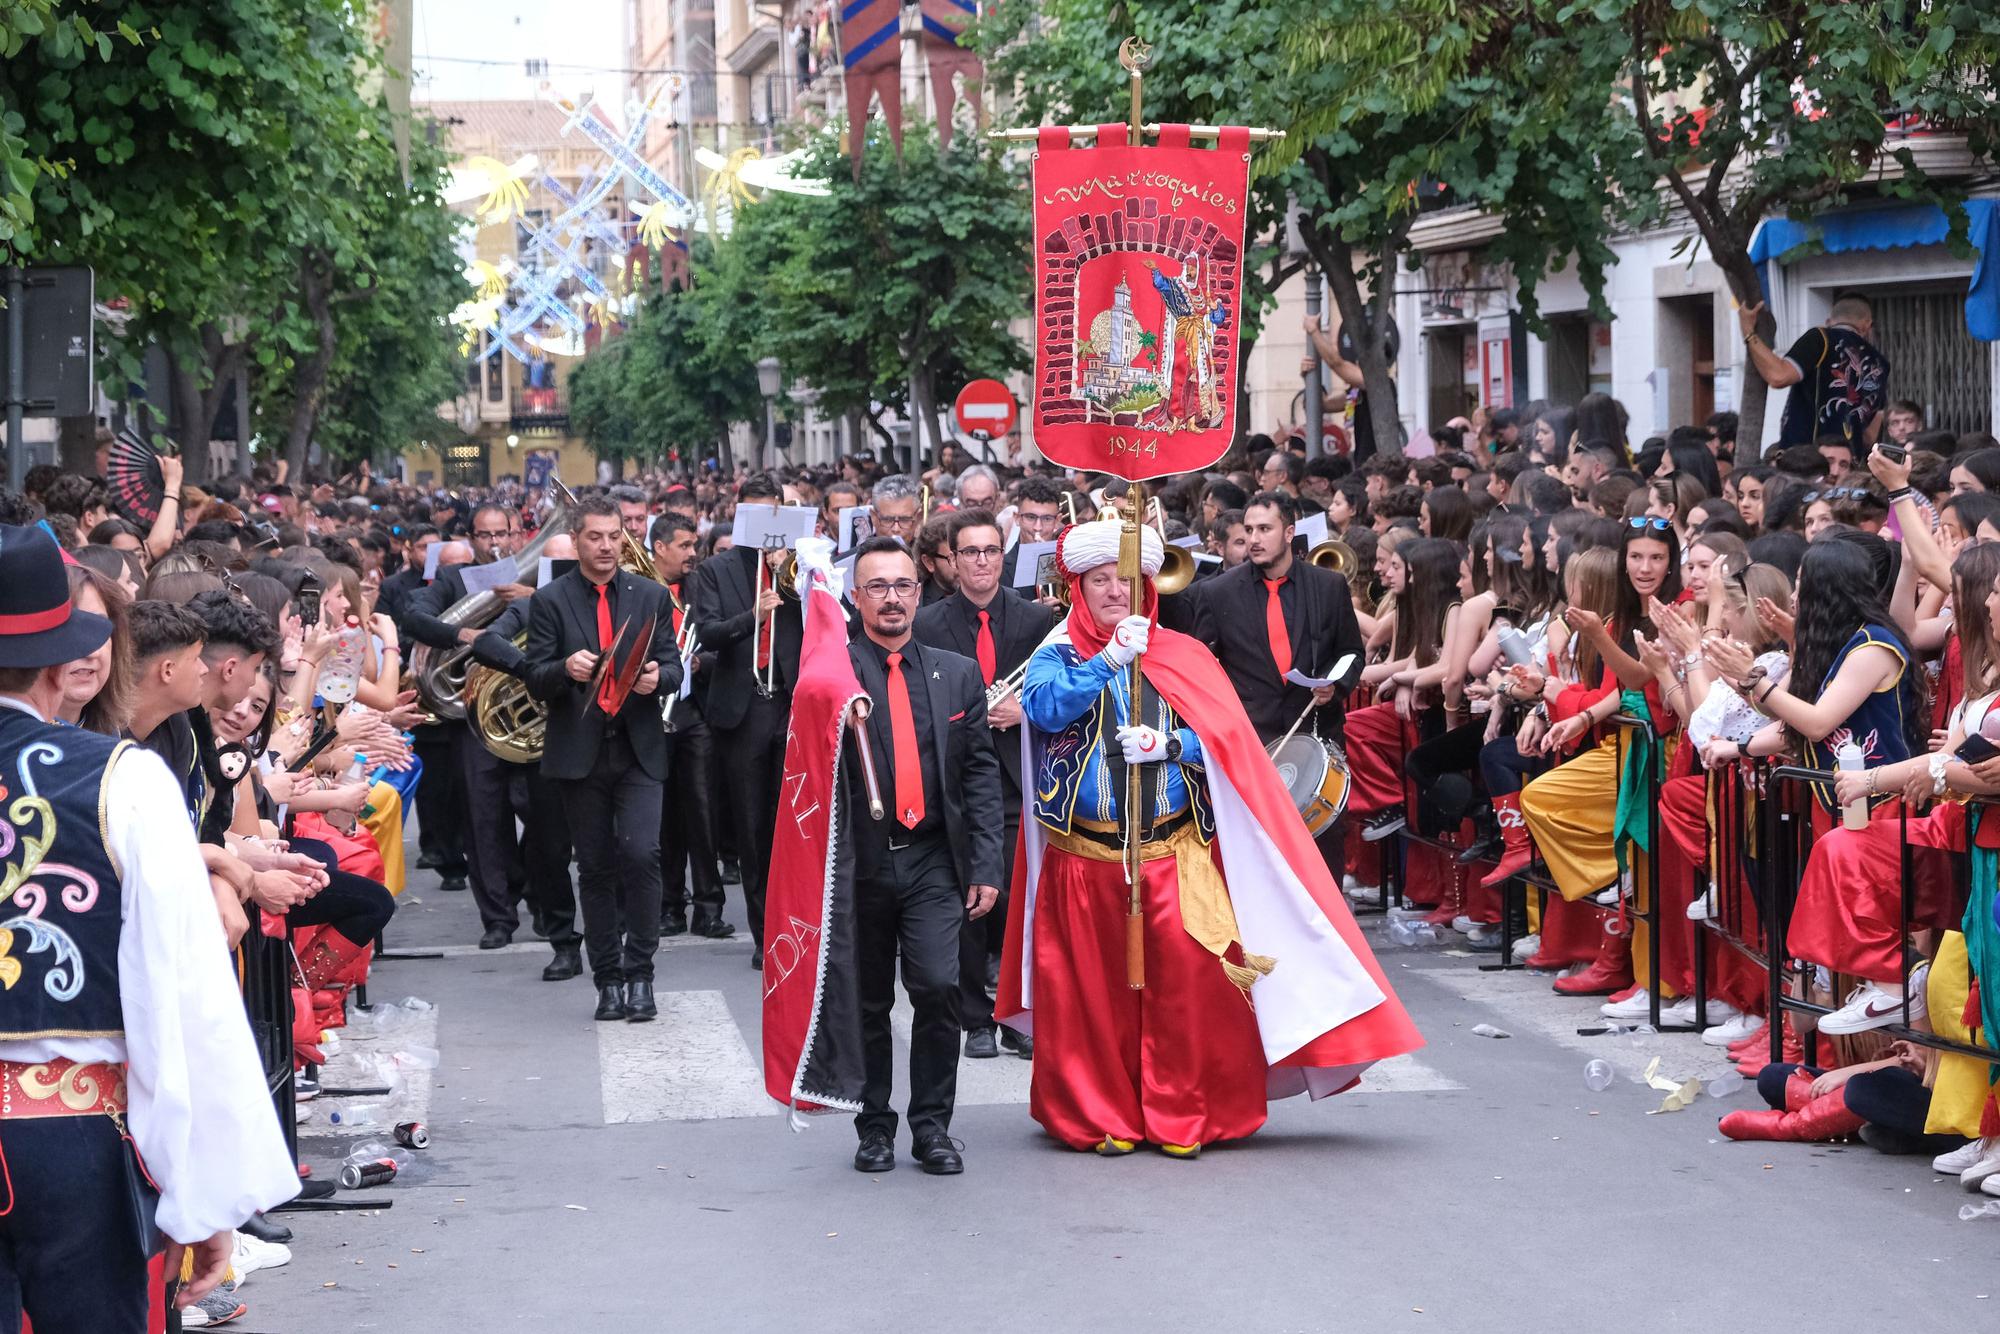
1138, 282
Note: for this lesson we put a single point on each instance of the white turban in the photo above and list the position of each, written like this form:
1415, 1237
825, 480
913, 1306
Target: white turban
1085, 546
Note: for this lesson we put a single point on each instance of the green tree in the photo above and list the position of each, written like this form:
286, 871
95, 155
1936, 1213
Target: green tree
895, 287
1746, 108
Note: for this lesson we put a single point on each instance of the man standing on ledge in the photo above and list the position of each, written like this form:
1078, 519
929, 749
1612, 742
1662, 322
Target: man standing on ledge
930, 864
1256, 982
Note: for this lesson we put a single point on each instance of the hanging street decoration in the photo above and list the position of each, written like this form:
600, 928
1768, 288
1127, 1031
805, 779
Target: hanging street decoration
871, 52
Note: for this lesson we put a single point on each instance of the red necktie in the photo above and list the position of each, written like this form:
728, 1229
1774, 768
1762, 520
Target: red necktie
764, 640
989, 666
1274, 626
608, 688
679, 613
903, 738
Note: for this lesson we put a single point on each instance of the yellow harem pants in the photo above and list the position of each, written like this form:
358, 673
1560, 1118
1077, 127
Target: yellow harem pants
1570, 810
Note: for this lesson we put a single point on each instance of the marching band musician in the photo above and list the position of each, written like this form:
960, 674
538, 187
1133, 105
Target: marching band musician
493, 855
608, 749
1255, 982
753, 633
688, 864
522, 791
996, 628
1273, 613
921, 873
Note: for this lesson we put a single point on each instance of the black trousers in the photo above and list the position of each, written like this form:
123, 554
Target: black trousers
441, 816
1893, 1101
1505, 769
545, 852
688, 865
614, 816
752, 758
980, 939
913, 906
355, 906
499, 877
70, 1253
1438, 766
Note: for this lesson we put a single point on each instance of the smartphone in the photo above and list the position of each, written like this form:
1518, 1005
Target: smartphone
1976, 749
308, 600
1894, 453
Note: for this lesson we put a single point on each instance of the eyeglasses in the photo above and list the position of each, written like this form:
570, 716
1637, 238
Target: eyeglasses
1644, 521
980, 553
878, 589
488, 534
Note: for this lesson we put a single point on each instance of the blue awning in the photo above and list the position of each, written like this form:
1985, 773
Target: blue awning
1893, 229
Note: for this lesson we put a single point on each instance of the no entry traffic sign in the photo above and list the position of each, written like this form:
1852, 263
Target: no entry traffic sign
985, 408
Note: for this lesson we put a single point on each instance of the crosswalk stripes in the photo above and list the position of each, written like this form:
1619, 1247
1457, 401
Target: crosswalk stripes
695, 1064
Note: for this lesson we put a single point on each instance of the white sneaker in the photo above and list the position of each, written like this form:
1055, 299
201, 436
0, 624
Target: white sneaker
1526, 948
1357, 893
1464, 924
1679, 1013
1703, 907
250, 1255
1635, 1006
1966, 1155
1991, 1185
1986, 1169
1871, 1005
1731, 1030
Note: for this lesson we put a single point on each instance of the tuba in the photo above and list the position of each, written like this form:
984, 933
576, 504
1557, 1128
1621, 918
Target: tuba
440, 675
1333, 554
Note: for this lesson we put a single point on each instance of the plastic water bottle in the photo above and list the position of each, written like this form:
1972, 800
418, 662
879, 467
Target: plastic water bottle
341, 675
1854, 815
357, 1113
356, 772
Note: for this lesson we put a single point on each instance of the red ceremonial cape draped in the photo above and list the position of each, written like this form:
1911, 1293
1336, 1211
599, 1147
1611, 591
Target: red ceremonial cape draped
812, 1032
1138, 296
1193, 683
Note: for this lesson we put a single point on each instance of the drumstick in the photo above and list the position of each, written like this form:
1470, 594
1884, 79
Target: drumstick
1296, 724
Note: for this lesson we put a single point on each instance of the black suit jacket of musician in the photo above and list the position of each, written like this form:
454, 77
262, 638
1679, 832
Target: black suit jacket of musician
562, 618
1230, 619
1019, 628
721, 599
424, 607
960, 745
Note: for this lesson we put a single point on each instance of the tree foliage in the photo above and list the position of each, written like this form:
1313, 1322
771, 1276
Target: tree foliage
220, 169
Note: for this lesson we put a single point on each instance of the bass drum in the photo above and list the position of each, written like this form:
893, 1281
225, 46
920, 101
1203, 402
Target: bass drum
1314, 771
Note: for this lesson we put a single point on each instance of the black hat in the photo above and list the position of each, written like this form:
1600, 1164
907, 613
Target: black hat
39, 627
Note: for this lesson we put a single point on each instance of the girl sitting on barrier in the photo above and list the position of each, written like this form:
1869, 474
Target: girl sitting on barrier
1584, 814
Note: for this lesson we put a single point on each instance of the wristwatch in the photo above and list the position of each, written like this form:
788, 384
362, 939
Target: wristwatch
1173, 747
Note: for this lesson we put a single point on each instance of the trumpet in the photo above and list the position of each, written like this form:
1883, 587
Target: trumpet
1333, 554
1069, 506
686, 644
1007, 685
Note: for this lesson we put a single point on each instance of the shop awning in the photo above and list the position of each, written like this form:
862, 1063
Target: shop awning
1894, 229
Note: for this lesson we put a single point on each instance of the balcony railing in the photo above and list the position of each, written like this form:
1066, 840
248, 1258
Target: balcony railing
539, 412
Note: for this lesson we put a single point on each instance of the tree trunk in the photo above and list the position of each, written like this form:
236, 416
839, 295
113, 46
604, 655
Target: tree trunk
189, 427
1368, 329
929, 445
309, 383
1753, 398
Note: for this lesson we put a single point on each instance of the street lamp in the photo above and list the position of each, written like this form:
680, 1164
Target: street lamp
769, 382
513, 442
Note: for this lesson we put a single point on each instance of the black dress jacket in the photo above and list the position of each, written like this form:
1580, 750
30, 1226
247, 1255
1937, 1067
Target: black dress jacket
1230, 617
1019, 627
724, 606
562, 618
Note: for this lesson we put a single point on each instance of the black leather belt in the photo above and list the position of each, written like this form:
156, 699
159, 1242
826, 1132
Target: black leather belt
1159, 833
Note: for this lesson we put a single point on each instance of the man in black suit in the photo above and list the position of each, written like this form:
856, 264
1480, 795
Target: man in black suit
997, 629
688, 865
522, 792
932, 862
493, 853
609, 755
747, 640
1273, 613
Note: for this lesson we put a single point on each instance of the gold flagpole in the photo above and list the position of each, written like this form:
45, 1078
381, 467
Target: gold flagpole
1134, 55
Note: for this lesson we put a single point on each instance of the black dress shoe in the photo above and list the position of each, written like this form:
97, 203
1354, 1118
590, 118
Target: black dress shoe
639, 1004
496, 937
732, 871
610, 1002
876, 1154
426, 861
980, 1046
757, 958
452, 884
712, 928
567, 964
1020, 1044
938, 1156
263, 1229
673, 924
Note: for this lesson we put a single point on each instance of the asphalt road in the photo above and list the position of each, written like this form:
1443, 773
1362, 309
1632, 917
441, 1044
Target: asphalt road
589, 1176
